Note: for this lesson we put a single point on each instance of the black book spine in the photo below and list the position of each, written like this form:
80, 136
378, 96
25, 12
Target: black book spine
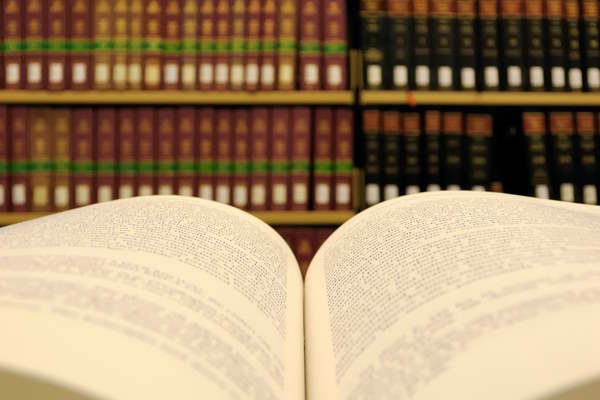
534, 43
511, 23
453, 145
391, 154
433, 150
467, 44
489, 76
591, 44
422, 56
561, 130
573, 40
586, 151
555, 43
373, 175
412, 153
534, 127
443, 43
399, 45
479, 151
372, 40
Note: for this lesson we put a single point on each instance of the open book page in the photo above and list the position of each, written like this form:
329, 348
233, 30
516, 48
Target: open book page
153, 298
456, 295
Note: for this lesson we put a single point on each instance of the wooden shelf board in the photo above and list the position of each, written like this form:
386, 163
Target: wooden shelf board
315, 218
383, 97
177, 97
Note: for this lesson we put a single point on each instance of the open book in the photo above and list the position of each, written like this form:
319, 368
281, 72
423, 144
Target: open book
455, 295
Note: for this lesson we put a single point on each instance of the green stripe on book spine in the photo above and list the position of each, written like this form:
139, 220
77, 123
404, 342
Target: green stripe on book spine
344, 166
280, 167
300, 166
323, 166
205, 167
106, 166
166, 166
186, 166
259, 166
83, 167
62, 166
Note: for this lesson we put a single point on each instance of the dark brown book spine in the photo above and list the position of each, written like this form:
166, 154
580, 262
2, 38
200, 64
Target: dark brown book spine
146, 142
223, 178
120, 45
260, 176
102, 44
573, 47
452, 154
57, 45
372, 37
80, 55
241, 165
190, 44
534, 45
288, 235
399, 44
489, 44
511, 27
166, 166
280, 158
82, 156
323, 161
206, 153
126, 151
335, 48
433, 150
391, 149
300, 162
35, 54
373, 148
310, 45
60, 121
413, 174
479, 152
223, 45
344, 152
287, 44
591, 43
534, 127
207, 32
20, 158
171, 42
443, 43
39, 132
562, 132
268, 39
13, 44
423, 45
467, 44
305, 248
238, 44
135, 44
106, 154
252, 75
4, 160
152, 56
556, 45
185, 152
588, 163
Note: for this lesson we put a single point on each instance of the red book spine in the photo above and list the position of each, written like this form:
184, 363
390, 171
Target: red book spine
310, 45
57, 45
238, 44
80, 59
268, 45
224, 156
146, 126
305, 248
126, 150
82, 156
323, 166
106, 156
152, 58
344, 139
206, 154
102, 44
165, 160
206, 74
186, 178
335, 45
20, 158
120, 45
287, 45
322, 234
60, 125
13, 40
4, 159
300, 162
241, 168
171, 33
223, 45
253, 45
41, 158
280, 161
288, 235
259, 177
189, 44
135, 44
35, 55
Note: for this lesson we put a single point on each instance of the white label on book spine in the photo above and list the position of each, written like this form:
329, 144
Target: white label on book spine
206, 73
343, 194
311, 74
593, 77
589, 194
152, 75
542, 192
13, 73
286, 74
186, 190
400, 76
237, 75
188, 75
82, 195
125, 191
478, 188
422, 75
19, 194
101, 73
453, 187
279, 194
536, 77
322, 196
467, 78
558, 77
165, 190
334, 75
445, 77
252, 74
372, 194
56, 72
171, 74
120, 74
491, 77
2, 195
412, 189
575, 78
222, 73
374, 75
104, 193
134, 74
145, 190
79, 71
61, 196
433, 188
34, 72
514, 76
300, 193
390, 192
40, 195
240, 195
206, 192
267, 74
259, 195
567, 192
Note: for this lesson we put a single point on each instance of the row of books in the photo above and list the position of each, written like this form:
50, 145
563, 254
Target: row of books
524, 45
305, 242
174, 44
253, 158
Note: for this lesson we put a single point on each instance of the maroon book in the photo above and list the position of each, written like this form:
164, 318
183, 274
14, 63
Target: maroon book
310, 45
126, 150
146, 126
165, 151
39, 139
13, 35
206, 154
80, 60
287, 44
102, 38
288, 234
120, 44
186, 183
241, 164
60, 132
321, 235
268, 40
35, 54
304, 248
4, 160
300, 160
253, 45
206, 74
238, 44
323, 162
189, 48
223, 39
57, 45
335, 45
280, 158
171, 34
82, 156
259, 177
344, 148
135, 45
106, 154
152, 57
224, 156
20, 159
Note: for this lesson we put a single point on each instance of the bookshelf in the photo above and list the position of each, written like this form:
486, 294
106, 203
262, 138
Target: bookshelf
164, 97
277, 218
